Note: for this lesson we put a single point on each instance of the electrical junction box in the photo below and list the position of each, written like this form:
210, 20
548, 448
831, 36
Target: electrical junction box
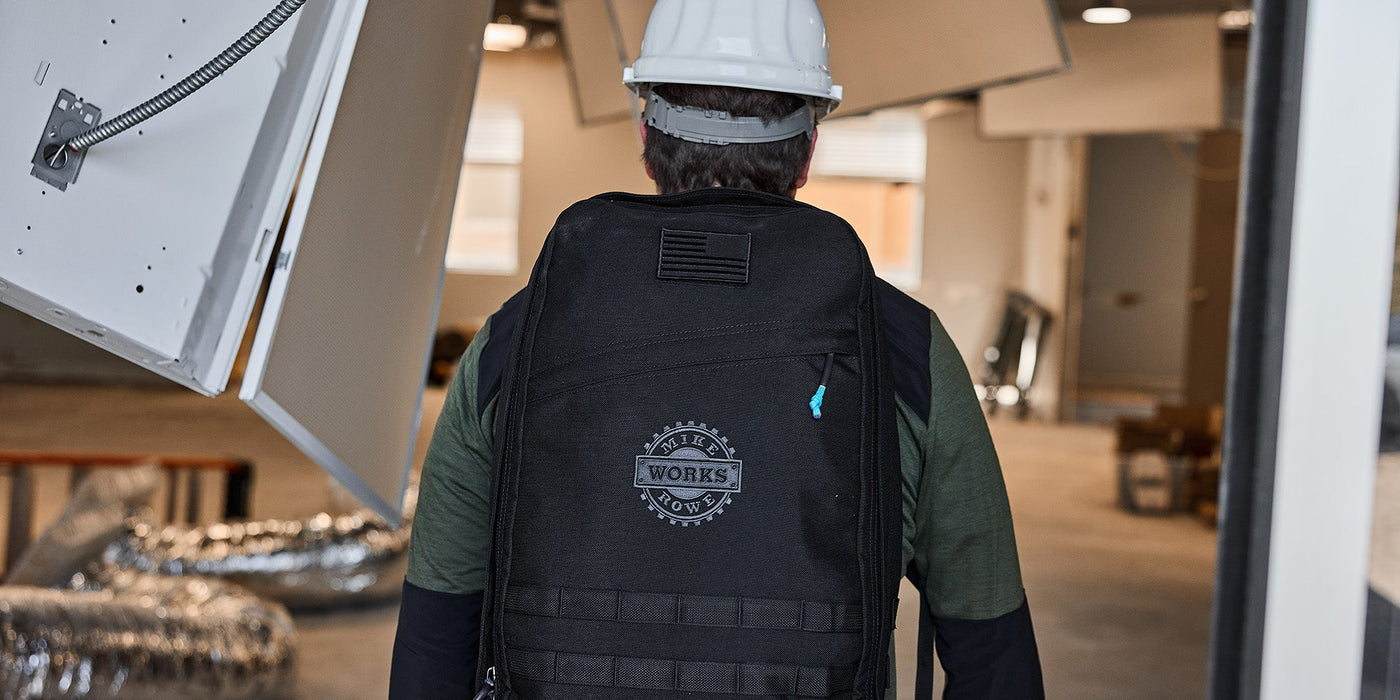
53, 162
157, 252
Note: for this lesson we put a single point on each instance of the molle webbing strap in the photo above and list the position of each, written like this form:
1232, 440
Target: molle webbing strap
679, 676
683, 609
720, 128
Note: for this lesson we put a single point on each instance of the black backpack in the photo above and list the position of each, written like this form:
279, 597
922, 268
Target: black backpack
696, 469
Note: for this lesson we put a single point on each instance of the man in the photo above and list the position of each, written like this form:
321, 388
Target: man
958, 546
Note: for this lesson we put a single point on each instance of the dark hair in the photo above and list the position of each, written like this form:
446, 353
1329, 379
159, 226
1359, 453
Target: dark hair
680, 165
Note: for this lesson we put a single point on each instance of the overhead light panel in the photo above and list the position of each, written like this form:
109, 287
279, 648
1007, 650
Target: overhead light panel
505, 37
1236, 20
1107, 13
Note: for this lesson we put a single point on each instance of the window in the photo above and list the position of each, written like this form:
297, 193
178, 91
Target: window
870, 171
486, 216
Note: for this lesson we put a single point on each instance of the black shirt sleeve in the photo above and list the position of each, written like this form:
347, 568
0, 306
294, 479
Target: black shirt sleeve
992, 659
435, 649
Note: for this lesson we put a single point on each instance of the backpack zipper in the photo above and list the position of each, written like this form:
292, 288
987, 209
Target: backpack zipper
492, 637
816, 403
884, 619
488, 691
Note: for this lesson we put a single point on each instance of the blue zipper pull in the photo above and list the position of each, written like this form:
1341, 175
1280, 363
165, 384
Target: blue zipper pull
816, 403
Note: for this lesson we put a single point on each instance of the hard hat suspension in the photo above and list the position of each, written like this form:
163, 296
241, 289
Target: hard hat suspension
720, 128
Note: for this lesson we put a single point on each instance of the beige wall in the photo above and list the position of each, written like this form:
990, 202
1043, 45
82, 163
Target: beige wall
563, 163
1054, 214
973, 222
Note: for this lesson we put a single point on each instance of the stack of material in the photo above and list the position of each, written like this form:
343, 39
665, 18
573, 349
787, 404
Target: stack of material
1170, 463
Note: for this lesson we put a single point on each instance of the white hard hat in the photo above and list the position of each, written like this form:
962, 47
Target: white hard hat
777, 45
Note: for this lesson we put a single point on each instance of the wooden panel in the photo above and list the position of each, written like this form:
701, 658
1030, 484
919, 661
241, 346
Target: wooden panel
1151, 74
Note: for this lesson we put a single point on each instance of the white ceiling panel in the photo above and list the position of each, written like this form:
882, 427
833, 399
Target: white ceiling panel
341, 352
595, 61
156, 251
898, 52
885, 54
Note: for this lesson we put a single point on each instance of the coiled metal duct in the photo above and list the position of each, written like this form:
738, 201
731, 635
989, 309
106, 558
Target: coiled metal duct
320, 561
139, 636
142, 621
315, 562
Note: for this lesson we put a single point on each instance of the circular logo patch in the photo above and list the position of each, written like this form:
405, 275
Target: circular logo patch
688, 473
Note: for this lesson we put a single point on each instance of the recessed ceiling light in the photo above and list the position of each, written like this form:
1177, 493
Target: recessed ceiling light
1107, 13
505, 37
1236, 20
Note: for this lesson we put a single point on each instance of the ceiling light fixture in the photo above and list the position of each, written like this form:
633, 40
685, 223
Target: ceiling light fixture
1236, 20
1107, 12
505, 37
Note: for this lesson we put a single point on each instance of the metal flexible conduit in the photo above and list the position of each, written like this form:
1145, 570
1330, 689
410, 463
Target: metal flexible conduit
194, 81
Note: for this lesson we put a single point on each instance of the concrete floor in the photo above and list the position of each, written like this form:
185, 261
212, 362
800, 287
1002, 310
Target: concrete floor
1121, 603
